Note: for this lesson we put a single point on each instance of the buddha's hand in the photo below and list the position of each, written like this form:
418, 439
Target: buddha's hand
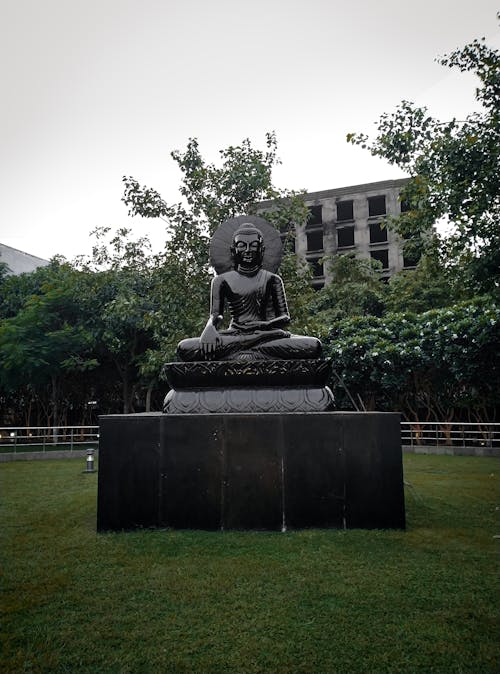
210, 340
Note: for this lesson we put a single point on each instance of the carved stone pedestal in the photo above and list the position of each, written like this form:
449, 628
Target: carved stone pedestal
225, 387
250, 471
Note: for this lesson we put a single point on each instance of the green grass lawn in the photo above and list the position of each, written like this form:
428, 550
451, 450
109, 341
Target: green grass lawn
424, 600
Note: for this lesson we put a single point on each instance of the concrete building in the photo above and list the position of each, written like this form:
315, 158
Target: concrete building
19, 262
349, 219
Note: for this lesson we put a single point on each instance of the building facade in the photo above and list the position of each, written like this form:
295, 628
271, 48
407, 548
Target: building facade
351, 220
19, 262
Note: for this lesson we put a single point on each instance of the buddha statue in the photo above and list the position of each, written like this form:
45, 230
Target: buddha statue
256, 300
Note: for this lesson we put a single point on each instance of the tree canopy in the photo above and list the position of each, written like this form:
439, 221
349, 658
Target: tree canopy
101, 328
426, 343
436, 365
454, 170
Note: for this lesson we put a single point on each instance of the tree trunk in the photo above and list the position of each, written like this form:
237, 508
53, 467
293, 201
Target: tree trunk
27, 418
148, 394
126, 392
55, 410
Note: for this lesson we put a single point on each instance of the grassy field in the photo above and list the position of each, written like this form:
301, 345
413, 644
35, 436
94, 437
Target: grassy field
424, 600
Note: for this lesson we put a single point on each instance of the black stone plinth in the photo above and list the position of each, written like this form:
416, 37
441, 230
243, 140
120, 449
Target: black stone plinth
262, 386
129, 478
246, 400
250, 471
254, 374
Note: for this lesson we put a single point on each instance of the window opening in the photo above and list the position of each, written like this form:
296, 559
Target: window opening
382, 256
315, 216
376, 206
314, 241
345, 210
345, 237
377, 232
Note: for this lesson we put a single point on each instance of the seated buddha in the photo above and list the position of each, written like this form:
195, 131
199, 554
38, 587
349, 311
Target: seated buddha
257, 305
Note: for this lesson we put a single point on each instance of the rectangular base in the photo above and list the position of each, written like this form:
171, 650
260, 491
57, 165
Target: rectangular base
250, 471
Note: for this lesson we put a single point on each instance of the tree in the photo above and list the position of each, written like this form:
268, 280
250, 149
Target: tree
454, 170
430, 285
103, 327
355, 290
438, 365
123, 276
16, 288
211, 195
47, 341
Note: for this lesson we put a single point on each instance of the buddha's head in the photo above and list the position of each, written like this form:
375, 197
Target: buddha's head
247, 249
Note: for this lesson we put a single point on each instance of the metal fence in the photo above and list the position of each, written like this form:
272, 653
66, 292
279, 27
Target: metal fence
451, 434
414, 434
47, 438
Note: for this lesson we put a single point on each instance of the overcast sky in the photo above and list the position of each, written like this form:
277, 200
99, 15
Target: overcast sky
95, 89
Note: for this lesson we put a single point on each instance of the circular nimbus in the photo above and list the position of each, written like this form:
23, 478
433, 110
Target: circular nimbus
220, 244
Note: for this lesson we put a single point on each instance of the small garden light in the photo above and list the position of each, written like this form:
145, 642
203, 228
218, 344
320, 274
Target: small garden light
90, 461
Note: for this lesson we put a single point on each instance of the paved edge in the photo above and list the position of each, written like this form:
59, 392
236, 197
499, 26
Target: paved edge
42, 456
407, 449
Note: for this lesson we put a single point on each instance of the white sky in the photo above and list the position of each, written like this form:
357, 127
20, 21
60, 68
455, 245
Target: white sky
96, 89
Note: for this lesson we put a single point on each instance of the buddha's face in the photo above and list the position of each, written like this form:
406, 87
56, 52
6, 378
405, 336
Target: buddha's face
248, 249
